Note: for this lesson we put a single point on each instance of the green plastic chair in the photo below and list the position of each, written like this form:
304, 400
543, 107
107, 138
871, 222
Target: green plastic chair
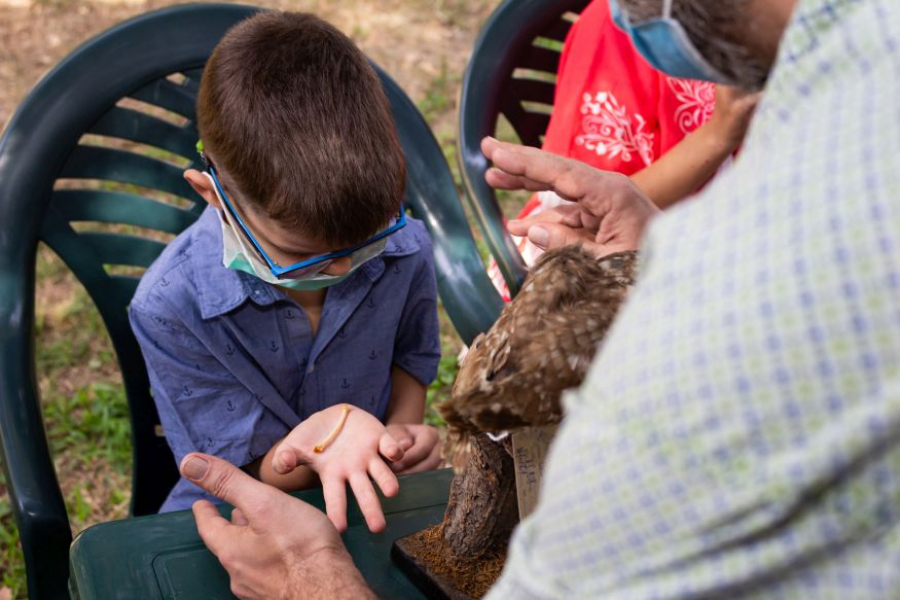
137, 82
511, 72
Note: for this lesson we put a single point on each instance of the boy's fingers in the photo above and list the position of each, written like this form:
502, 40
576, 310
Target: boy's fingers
389, 448
384, 477
432, 461
285, 460
368, 502
335, 494
214, 529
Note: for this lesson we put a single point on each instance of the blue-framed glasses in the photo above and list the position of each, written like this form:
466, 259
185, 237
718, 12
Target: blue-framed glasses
309, 266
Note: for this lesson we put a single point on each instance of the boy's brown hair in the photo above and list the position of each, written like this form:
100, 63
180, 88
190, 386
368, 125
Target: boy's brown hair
290, 109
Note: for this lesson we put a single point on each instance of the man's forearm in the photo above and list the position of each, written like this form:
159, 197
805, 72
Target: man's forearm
328, 575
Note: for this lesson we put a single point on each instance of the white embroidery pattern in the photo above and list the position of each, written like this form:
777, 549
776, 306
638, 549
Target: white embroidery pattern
698, 100
608, 131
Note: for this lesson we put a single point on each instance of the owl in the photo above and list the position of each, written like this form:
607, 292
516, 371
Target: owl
542, 344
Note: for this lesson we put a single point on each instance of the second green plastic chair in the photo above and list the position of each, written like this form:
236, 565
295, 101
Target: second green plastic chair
511, 73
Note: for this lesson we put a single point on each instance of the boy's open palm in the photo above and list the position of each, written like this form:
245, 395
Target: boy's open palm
344, 445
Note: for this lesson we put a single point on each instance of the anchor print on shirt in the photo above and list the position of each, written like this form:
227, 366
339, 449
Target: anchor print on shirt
341, 333
289, 314
373, 355
273, 347
230, 406
229, 349
345, 384
396, 269
370, 302
186, 391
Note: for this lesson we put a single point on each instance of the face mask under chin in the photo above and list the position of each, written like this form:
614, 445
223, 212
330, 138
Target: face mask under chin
236, 256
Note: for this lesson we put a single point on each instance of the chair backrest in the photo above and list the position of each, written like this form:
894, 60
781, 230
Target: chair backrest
512, 72
91, 164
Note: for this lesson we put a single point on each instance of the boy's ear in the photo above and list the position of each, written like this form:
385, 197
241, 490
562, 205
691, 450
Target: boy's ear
203, 186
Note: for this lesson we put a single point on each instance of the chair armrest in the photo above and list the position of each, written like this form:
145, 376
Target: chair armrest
33, 488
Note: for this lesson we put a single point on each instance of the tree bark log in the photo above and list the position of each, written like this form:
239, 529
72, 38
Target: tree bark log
482, 509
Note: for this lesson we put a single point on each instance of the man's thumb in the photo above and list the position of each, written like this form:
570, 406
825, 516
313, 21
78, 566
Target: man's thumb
224, 481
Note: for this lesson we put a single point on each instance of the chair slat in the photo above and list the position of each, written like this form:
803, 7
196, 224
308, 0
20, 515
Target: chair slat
539, 59
136, 126
170, 96
118, 249
91, 162
119, 207
527, 125
193, 79
536, 122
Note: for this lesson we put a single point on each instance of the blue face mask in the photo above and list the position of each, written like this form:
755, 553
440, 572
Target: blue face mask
666, 46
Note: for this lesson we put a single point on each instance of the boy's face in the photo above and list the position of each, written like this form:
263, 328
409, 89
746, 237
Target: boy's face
284, 246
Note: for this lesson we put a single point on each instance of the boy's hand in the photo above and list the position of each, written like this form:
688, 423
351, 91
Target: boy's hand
420, 445
352, 456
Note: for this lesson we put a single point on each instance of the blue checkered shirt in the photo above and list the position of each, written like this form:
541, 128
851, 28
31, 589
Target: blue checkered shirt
739, 432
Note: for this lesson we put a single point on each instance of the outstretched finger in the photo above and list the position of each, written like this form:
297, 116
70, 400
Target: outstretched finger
501, 180
368, 501
530, 164
215, 530
384, 477
335, 494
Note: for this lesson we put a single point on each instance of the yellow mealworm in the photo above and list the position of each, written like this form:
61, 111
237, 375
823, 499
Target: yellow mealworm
320, 447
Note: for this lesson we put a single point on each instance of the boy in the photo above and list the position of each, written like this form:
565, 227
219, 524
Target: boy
303, 286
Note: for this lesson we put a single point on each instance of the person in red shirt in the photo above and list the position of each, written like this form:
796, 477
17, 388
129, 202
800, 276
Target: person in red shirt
615, 112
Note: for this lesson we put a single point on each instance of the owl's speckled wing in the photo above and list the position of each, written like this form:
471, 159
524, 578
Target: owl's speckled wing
542, 344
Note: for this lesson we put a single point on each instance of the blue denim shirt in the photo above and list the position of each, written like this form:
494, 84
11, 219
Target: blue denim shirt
234, 364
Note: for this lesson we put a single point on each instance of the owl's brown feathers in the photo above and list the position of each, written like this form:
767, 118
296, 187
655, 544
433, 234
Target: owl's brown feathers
542, 344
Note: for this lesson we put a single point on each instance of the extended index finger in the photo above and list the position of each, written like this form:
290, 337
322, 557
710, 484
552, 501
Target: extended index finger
214, 529
542, 170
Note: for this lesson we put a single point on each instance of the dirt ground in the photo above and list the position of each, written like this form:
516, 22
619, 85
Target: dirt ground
423, 44
416, 41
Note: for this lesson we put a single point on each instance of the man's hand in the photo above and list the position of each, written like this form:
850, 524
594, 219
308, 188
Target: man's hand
351, 457
422, 452
610, 214
275, 546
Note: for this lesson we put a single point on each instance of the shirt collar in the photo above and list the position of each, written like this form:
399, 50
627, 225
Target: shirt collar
221, 290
